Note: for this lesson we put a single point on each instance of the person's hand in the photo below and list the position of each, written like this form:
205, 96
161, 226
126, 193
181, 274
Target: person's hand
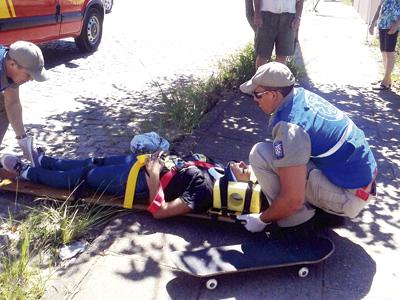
253, 222
26, 145
295, 24
154, 165
371, 28
257, 20
393, 28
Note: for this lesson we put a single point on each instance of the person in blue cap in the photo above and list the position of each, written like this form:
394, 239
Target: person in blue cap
317, 157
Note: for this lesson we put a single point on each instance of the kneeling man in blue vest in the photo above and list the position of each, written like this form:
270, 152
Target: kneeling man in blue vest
318, 158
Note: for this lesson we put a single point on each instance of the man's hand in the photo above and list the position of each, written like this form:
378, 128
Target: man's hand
295, 23
253, 222
26, 145
371, 28
257, 20
393, 28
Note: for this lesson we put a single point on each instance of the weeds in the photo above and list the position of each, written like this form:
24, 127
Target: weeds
43, 230
186, 103
19, 280
53, 225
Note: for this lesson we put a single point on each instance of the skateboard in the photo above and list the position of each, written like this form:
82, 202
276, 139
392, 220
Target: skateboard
211, 262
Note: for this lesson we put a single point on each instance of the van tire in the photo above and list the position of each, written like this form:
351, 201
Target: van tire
92, 31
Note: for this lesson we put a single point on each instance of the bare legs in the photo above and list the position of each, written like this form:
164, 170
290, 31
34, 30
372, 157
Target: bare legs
388, 65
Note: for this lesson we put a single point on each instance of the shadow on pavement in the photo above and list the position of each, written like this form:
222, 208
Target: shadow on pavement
61, 52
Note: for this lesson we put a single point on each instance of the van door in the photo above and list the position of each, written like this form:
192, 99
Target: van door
31, 20
72, 16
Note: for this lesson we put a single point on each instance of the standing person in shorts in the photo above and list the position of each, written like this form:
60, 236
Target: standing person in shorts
388, 17
276, 25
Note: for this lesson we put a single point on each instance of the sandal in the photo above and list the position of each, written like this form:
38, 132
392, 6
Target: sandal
382, 87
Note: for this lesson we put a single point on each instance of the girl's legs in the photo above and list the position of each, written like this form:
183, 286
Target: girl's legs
51, 163
387, 43
388, 63
109, 178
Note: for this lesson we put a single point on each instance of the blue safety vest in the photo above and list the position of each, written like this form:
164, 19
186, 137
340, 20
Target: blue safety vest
338, 146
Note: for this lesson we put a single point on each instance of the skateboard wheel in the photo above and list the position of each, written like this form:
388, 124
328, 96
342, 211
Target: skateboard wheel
303, 272
211, 284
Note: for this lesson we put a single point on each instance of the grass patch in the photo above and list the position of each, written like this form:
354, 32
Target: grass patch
42, 230
19, 279
53, 225
187, 102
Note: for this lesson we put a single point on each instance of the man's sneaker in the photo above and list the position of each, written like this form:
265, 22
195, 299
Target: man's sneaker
13, 164
30, 153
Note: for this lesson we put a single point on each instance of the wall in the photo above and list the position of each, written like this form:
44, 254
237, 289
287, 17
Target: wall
366, 8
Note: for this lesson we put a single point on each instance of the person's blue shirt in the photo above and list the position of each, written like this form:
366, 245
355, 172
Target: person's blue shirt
390, 13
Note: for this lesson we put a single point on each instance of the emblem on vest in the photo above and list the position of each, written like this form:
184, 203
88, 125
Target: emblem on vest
323, 108
278, 150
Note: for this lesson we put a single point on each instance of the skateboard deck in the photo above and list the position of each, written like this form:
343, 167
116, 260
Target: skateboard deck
214, 261
8, 182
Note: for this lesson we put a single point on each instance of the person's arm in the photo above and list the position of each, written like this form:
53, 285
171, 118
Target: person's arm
373, 21
13, 108
394, 27
297, 17
257, 13
160, 208
250, 13
291, 196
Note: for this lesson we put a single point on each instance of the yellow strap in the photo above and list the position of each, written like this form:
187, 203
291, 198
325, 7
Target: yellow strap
131, 182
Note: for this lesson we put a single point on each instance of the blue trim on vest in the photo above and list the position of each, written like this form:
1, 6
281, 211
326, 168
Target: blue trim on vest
353, 164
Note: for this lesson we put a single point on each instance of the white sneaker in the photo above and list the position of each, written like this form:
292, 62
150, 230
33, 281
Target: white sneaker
13, 164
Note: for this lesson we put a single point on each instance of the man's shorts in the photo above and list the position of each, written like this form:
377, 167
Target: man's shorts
276, 29
387, 42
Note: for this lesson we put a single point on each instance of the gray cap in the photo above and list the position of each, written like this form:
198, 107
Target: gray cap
270, 75
30, 57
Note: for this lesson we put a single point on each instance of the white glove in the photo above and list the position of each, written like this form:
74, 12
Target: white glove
26, 145
253, 222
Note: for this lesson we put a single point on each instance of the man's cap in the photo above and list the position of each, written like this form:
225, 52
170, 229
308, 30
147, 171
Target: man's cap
271, 75
30, 57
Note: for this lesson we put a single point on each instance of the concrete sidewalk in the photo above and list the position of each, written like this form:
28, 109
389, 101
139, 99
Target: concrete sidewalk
130, 259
